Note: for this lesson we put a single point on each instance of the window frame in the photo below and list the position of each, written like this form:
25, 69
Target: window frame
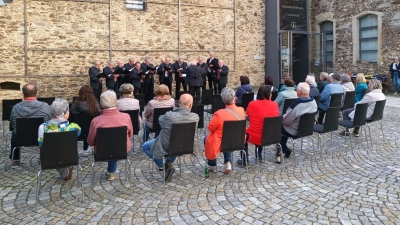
360, 38
326, 41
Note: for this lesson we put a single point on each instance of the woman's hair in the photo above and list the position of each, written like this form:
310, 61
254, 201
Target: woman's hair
86, 95
345, 78
269, 81
244, 80
126, 89
289, 83
162, 90
310, 79
228, 96
264, 92
108, 99
360, 78
374, 84
59, 107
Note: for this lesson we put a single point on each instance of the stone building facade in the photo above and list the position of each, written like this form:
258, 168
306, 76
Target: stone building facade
53, 43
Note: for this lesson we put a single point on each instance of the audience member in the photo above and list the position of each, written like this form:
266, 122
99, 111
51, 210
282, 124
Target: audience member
214, 139
310, 80
158, 147
361, 83
346, 83
323, 77
284, 77
110, 117
257, 111
333, 87
270, 81
245, 87
128, 102
28, 108
59, 123
289, 92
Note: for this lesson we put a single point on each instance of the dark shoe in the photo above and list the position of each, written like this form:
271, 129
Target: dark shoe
356, 133
243, 163
15, 163
160, 169
69, 174
169, 172
344, 133
288, 152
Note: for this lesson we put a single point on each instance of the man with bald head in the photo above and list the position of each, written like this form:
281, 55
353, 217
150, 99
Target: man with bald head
158, 147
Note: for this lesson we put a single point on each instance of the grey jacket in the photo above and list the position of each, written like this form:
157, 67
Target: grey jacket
30, 109
180, 115
298, 108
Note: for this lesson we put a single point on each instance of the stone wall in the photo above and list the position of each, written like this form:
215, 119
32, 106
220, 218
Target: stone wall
65, 36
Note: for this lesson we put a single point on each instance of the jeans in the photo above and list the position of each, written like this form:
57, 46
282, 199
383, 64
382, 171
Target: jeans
396, 81
146, 133
112, 166
284, 138
227, 156
13, 144
246, 149
158, 161
346, 117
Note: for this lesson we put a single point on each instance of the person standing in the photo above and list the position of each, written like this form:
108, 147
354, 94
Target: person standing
148, 81
129, 66
121, 77
95, 82
180, 78
203, 67
194, 78
165, 74
394, 72
212, 64
137, 77
111, 79
222, 75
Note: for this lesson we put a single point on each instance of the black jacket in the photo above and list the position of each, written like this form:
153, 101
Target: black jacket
135, 78
128, 76
121, 77
214, 63
391, 68
193, 75
94, 80
175, 68
161, 72
147, 79
204, 69
224, 75
110, 83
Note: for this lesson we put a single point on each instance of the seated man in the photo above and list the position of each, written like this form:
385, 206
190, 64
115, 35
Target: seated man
59, 123
257, 111
28, 108
111, 117
375, 94
303, 105
333, 87
159, 146
214, 139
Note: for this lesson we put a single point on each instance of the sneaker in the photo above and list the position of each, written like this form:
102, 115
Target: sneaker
356, 133
85, 153
344, 133
110, 176
169, 172
244, 163
228, 167
395, 93
69, 176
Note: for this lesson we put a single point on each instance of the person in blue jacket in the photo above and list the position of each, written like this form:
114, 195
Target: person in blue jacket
333, 87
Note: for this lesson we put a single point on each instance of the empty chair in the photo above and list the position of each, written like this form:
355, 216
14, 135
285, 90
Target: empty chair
377, 116
48, 100
207, 96
331, 124
216, 105
246, 99
7, 105
306, 126
287, 104
59, 150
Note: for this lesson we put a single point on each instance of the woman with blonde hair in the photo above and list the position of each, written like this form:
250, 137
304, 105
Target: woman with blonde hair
361, 86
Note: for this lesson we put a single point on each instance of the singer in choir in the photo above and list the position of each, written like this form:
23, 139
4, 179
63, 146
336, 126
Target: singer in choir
165, 74
111, 79
222, 75
129, 66
193, 74
95, 82
203, 67
148, 82
137, 78
212, 63
180, 78
121, 77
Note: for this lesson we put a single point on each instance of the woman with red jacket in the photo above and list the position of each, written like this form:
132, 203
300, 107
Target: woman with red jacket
257, 111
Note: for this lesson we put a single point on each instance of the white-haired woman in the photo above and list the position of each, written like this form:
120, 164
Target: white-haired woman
310, 80
127, 101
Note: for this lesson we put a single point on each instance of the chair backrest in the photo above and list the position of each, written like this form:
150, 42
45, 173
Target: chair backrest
185, 92
336, 100
274, 95
139, 97
48, 100
217, 103
141, 105
287, 104
156, 115
317, 98
365, 91
181, 140
27, 131
199, 110
206, 96
306, 125
349, 100
134, 114
7, 105
271, 131
111, 144
246, 99
196, 100
378, 110
59, 150
233, 135
83, 120
331, 119
360, 115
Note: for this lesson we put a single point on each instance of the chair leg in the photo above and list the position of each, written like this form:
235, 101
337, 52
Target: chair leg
382, 131
91, 181
312, 142
81, 181
163, 169
337, 140
369, 132
365, 134
301, 146
12, 158
126, 170
245, 158
38, 184
319, 147
127, 175
180, 166
351, 147
257, 159
194, 165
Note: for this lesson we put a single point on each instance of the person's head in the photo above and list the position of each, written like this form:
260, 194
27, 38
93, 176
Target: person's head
137, 65
211, 54
108, 99
29, 91
201, 60
228, 96
303, 90
345, 78
167, 60
126, 89
396, 59
284, 77
186, 101
162, 90
193, 63
162, 60
264, 92
120, 64
110, 64
60, 108
147, 60
335, 77
220, 62
180, 59
269, 81
374, 84
323, 76
360, 78
244, 80
97, 64
288, 83
86, 95
131, 60
310, 79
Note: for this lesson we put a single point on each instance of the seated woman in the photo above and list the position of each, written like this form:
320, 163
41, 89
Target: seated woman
257, 111
245, 87
214, 139
323, 78
127, 102
375, 94
270, 81
346, 83
284, 77
85, 103
289, 92
59, 123
310, 80
361, 86
111, 117
161, 100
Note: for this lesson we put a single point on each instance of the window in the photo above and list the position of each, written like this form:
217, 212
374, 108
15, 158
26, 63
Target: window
368, 38
135, 5
327, 28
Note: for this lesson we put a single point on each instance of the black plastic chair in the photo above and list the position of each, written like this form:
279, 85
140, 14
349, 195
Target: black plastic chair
134, 115
199, 110
246, 99
157, 113
377, 116
7, 106
331, 124
305, 129
207, 97
216, 105
27, 134
274, 95
359, 120
233, 135
271, 134
48, 100
59, 150
111, 146
139, 97
287, 104
348, 102
181, 143
336, 100
316, 99
83, 120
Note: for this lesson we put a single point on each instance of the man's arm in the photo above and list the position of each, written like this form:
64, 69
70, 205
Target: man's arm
325, 94
224, 71
289, 116
93, 75
214, 123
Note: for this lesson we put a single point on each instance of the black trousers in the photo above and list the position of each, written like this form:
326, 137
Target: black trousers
137, 90
169, 85
212, 82
148, 90
13, 144
220, 87
204, 84
178, 86
97, 93
195, 89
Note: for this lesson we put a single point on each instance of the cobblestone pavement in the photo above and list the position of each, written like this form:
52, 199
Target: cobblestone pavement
338, 188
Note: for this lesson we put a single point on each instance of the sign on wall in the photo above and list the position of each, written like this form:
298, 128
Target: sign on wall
293, 15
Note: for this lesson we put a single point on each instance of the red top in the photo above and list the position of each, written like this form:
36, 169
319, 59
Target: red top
257, 111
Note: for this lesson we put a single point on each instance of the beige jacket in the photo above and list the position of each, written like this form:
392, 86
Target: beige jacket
166, 102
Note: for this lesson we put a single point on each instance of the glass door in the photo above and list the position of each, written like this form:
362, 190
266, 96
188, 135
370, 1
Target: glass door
285, 48
317, 63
